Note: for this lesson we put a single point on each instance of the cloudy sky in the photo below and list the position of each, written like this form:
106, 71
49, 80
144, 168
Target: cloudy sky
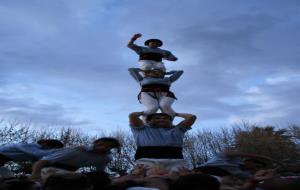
65, 62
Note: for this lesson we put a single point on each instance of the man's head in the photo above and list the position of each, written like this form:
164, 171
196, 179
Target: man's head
99, 179
153, 43
50, 143
19, 183
160, 120
154, 73
196, 182
105, 144
72, 181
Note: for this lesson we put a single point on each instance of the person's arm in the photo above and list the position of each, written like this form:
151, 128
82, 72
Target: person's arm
249, 155
36, 169
176, 75
133, 38
63, 156
188, 121
134, 47
134, 119
134, 72
170, 57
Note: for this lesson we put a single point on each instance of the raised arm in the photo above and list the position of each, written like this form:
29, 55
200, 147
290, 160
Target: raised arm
134, 72
175, 75
132, 40
249, 155
188, 121
134, 119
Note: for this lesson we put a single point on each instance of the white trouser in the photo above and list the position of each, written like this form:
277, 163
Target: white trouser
150, 64
162, 102
161, 166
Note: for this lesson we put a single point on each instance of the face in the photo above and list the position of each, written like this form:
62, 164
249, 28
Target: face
102, 147
155, 73
160, 121
153, 44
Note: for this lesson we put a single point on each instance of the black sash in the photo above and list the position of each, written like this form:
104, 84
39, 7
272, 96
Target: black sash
155, 88
151, 56
159, 152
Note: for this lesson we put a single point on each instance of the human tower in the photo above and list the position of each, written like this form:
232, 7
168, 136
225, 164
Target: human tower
153, 78
159, 142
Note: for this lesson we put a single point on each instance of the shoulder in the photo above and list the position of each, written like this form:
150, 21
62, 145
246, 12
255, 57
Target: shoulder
133, 127
181, 128
164, 51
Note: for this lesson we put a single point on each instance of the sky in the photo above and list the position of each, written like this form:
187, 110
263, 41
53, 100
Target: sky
64, 62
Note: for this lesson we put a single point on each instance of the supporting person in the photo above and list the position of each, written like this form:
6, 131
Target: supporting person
159, 143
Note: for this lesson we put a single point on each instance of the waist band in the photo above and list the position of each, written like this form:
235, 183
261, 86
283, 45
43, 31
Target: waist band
155, 88
159, 152
151, 56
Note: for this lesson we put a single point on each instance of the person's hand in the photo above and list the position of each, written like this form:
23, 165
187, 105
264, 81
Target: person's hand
136, 36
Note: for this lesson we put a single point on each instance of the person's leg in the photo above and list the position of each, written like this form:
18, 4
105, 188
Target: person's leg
149, 102
165, 104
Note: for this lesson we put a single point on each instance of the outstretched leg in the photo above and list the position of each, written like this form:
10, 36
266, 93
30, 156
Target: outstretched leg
149, 102
165, 104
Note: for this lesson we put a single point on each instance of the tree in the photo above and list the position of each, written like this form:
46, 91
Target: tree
267, 141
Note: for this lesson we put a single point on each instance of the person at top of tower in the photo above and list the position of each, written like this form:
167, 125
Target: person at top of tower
151, 56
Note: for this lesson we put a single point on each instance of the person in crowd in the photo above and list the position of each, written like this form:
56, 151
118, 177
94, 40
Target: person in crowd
99, 179
239, 164
28, 151
74, 181
196, 181
97, 155
151, 56
159, 143
19, 183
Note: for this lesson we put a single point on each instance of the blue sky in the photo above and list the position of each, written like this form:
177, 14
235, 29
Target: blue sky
65, 62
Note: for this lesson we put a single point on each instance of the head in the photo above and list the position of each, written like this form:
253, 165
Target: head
160, 120
155, 73
157, 183
196, 182
105, 144
153, 43
99, 180
74, 181
20, 183
50, 143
